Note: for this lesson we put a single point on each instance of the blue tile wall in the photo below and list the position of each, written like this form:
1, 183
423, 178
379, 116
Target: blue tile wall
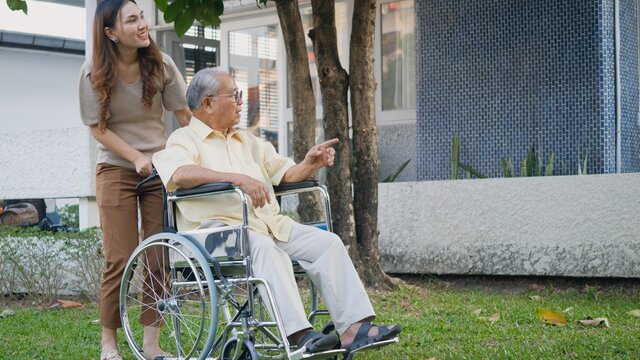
509, 74
630, 123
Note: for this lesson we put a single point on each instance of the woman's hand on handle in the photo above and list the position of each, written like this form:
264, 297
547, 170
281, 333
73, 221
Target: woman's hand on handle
143, 164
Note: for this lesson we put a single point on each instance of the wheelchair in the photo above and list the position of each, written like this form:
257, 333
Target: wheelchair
198, 286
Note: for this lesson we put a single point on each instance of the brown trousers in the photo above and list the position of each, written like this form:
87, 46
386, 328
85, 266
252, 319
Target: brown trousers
118, 204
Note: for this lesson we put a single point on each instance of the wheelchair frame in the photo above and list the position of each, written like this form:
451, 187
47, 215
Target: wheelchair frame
195, 281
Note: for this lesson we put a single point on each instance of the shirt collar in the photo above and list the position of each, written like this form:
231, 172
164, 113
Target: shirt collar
203, 130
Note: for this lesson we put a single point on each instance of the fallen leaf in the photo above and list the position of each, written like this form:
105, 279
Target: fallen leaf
493, 318
551, 317
477, 311
536, 298
568, 310
635, 313
490, 343
6, 313
68, 304
431, 358
595, 322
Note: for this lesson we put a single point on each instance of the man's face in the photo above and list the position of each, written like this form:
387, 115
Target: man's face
225, 107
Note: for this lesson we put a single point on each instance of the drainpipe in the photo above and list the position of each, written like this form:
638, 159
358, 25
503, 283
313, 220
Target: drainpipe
618, 89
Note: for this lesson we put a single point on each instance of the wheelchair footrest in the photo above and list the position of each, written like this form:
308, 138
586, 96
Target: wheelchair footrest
375, 345
329, 354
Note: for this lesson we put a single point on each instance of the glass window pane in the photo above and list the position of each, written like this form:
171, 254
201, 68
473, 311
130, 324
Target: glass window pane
253, 56
398, 61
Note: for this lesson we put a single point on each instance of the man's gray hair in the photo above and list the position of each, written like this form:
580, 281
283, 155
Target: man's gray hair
204, 83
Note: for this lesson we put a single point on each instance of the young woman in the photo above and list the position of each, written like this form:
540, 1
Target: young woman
124, 90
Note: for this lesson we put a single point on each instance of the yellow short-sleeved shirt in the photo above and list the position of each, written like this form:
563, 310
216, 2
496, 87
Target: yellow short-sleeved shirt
239, 152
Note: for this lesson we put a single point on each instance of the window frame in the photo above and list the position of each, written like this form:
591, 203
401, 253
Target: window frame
388, 117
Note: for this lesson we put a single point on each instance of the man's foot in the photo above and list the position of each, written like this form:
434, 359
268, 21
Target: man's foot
361, 334
315, 342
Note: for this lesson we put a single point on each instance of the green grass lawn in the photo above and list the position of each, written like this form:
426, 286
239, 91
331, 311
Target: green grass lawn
439, 322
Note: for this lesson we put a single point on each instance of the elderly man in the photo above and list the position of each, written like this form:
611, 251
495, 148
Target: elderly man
209, 150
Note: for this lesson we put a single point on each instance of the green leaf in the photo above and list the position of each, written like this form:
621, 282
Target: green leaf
507, 167
183, 23
455, 156
16, 5
471, 171
548, 171
586, 161
531, 162
523, 168
218, 7
394, 175
173, 10
162, 5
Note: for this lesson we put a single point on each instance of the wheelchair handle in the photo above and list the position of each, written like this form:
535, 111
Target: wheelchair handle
154, 174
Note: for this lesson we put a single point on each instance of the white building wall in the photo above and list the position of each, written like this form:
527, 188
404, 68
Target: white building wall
39, 90
47, 151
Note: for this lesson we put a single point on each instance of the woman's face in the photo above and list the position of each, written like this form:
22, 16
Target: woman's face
131, 28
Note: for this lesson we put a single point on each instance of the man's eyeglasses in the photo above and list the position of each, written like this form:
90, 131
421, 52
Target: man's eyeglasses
237, 96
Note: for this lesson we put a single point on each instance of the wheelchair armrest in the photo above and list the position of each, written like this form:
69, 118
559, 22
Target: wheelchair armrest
204, 189
296, 186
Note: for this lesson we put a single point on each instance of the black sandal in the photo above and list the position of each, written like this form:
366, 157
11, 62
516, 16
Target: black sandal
317, 342
362, 339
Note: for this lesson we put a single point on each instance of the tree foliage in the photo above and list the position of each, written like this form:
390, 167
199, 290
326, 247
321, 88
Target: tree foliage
17, 5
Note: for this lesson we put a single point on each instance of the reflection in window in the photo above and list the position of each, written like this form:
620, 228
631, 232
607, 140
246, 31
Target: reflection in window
398, 62
252, 55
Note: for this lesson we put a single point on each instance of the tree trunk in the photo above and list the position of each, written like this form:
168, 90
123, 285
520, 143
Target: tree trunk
365, 150
334, 85
302, 99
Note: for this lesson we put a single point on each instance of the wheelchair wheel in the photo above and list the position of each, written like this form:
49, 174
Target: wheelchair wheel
168, 283
245, 351
266, 339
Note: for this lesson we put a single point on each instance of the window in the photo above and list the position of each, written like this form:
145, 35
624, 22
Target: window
398, 55
253, 60
199, 48
197, 55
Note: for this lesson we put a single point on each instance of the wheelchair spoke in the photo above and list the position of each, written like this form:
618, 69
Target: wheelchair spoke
168, 287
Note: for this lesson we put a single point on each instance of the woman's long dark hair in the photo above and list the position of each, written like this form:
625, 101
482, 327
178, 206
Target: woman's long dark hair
104, 76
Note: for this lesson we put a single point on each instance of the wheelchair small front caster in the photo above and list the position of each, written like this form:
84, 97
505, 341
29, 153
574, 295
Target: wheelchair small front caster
243, 351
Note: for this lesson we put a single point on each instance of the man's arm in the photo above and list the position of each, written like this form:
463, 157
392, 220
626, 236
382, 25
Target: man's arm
189, 176
319, 156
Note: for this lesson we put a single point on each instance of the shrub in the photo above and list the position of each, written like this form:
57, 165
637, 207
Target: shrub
43, 264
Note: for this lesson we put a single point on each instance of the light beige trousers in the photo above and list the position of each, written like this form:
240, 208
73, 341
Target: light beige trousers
325, 259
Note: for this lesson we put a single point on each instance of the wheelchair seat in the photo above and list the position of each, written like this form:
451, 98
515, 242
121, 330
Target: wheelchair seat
206, 295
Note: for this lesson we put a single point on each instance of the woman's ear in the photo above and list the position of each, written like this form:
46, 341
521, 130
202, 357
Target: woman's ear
109, 32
